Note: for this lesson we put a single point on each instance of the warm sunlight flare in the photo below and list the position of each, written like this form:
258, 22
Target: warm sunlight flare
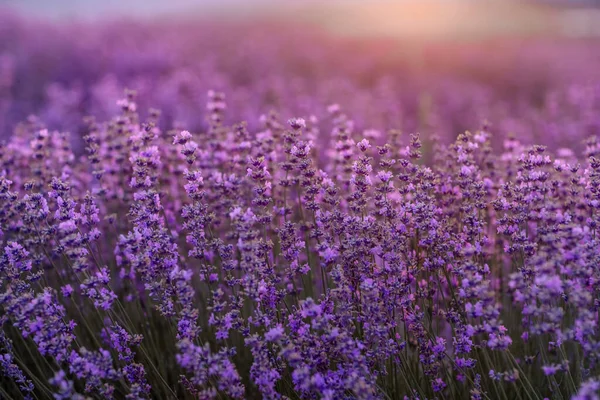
437, 19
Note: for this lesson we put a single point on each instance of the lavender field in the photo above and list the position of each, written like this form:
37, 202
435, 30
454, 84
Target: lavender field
265, 210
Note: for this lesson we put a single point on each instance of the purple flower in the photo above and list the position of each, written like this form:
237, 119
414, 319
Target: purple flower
274, 334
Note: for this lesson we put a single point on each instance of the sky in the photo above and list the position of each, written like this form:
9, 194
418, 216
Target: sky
398, 18
98, 8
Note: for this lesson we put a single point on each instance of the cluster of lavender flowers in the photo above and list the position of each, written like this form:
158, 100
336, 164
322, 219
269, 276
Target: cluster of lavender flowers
266, 263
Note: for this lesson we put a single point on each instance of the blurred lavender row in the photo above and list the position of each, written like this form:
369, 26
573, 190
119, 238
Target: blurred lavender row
539, 89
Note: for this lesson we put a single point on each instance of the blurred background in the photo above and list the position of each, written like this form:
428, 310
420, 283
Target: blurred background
399, 18
530, 68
